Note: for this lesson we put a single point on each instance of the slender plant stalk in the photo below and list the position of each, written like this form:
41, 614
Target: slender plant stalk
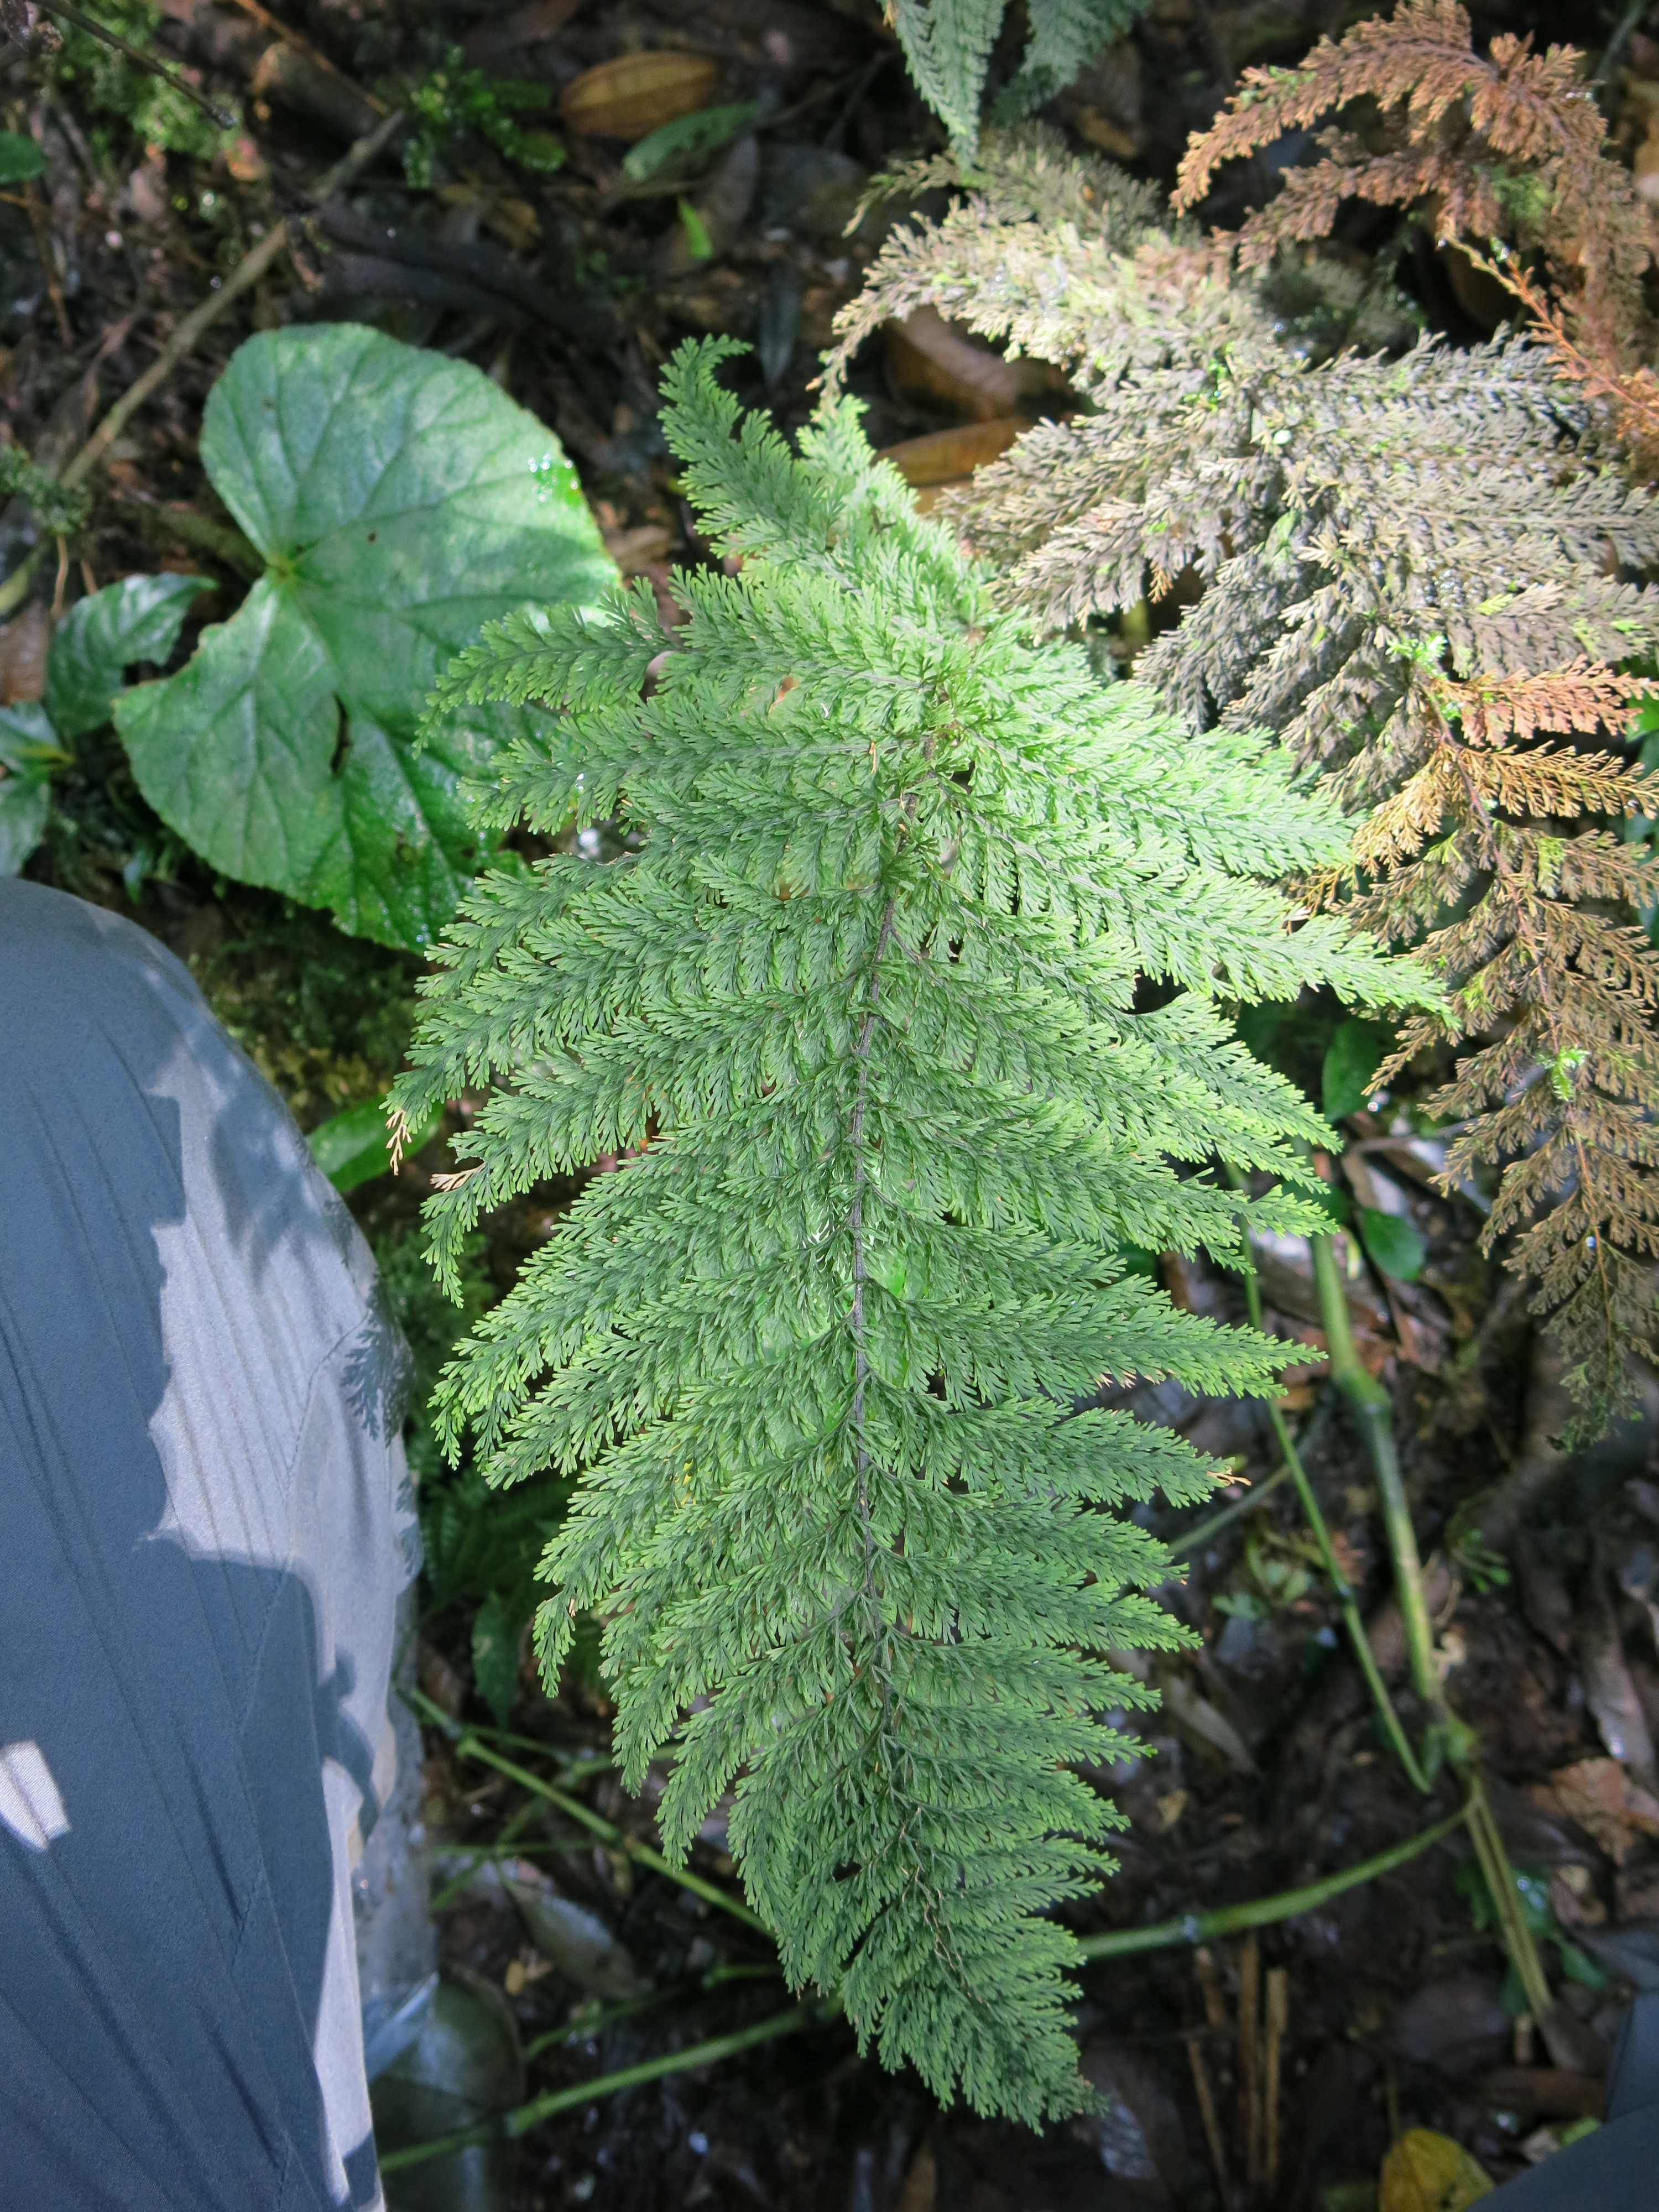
1369, 1402
1350, 1615
458, 1882
613, 1838
581, 2031
573, 1769
1216, 1522
1194, 1928
1450, 1738
507, 2125
248, 271
230, 546
1261, 1911
224, 119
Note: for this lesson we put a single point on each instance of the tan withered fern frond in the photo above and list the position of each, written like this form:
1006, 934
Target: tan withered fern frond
1583, 697
1508, 147
1601, 374
1555, 992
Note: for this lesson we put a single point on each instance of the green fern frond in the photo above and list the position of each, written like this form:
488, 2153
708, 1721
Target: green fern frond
1066, 36
857, 1012
947, 45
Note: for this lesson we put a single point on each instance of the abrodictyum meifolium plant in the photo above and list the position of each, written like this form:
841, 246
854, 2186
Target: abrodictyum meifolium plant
865, 1015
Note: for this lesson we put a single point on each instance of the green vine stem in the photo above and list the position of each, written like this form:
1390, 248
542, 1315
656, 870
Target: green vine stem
1369, 1402
1365, 1658
525, 2116
1209, 1528
584, 2031
613, 1838
1261, 1911
1194, 1928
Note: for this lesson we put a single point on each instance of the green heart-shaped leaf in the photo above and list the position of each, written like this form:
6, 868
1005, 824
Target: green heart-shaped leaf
401, 502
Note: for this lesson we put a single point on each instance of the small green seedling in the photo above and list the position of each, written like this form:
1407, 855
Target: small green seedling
101, 638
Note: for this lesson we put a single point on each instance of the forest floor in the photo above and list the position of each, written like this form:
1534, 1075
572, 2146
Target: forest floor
1272, 2070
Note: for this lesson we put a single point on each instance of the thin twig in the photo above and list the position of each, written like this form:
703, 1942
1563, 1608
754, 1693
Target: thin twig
1278, 2019
1249, 2087
1206, 2112
1209, 1982
248, 272
229, 546
1369, 1403
39, 224
140, 59
1262, 1911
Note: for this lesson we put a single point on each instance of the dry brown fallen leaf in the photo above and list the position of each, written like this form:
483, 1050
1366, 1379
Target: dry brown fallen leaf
1606, 1804
930, 359
1609, 1687
945, 457
637, 94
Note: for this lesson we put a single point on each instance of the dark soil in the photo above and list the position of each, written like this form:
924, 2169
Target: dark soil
1265, 1769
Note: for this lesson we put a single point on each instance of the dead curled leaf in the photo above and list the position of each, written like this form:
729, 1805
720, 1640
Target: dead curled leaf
1606, 1804
1609, 1690
1194, 1715
1428, 2172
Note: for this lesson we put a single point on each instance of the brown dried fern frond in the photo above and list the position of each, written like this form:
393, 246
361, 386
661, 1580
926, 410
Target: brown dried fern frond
1467, 863
1391, 550
1632, 391
1030, 175
1098, 298
1508, 147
